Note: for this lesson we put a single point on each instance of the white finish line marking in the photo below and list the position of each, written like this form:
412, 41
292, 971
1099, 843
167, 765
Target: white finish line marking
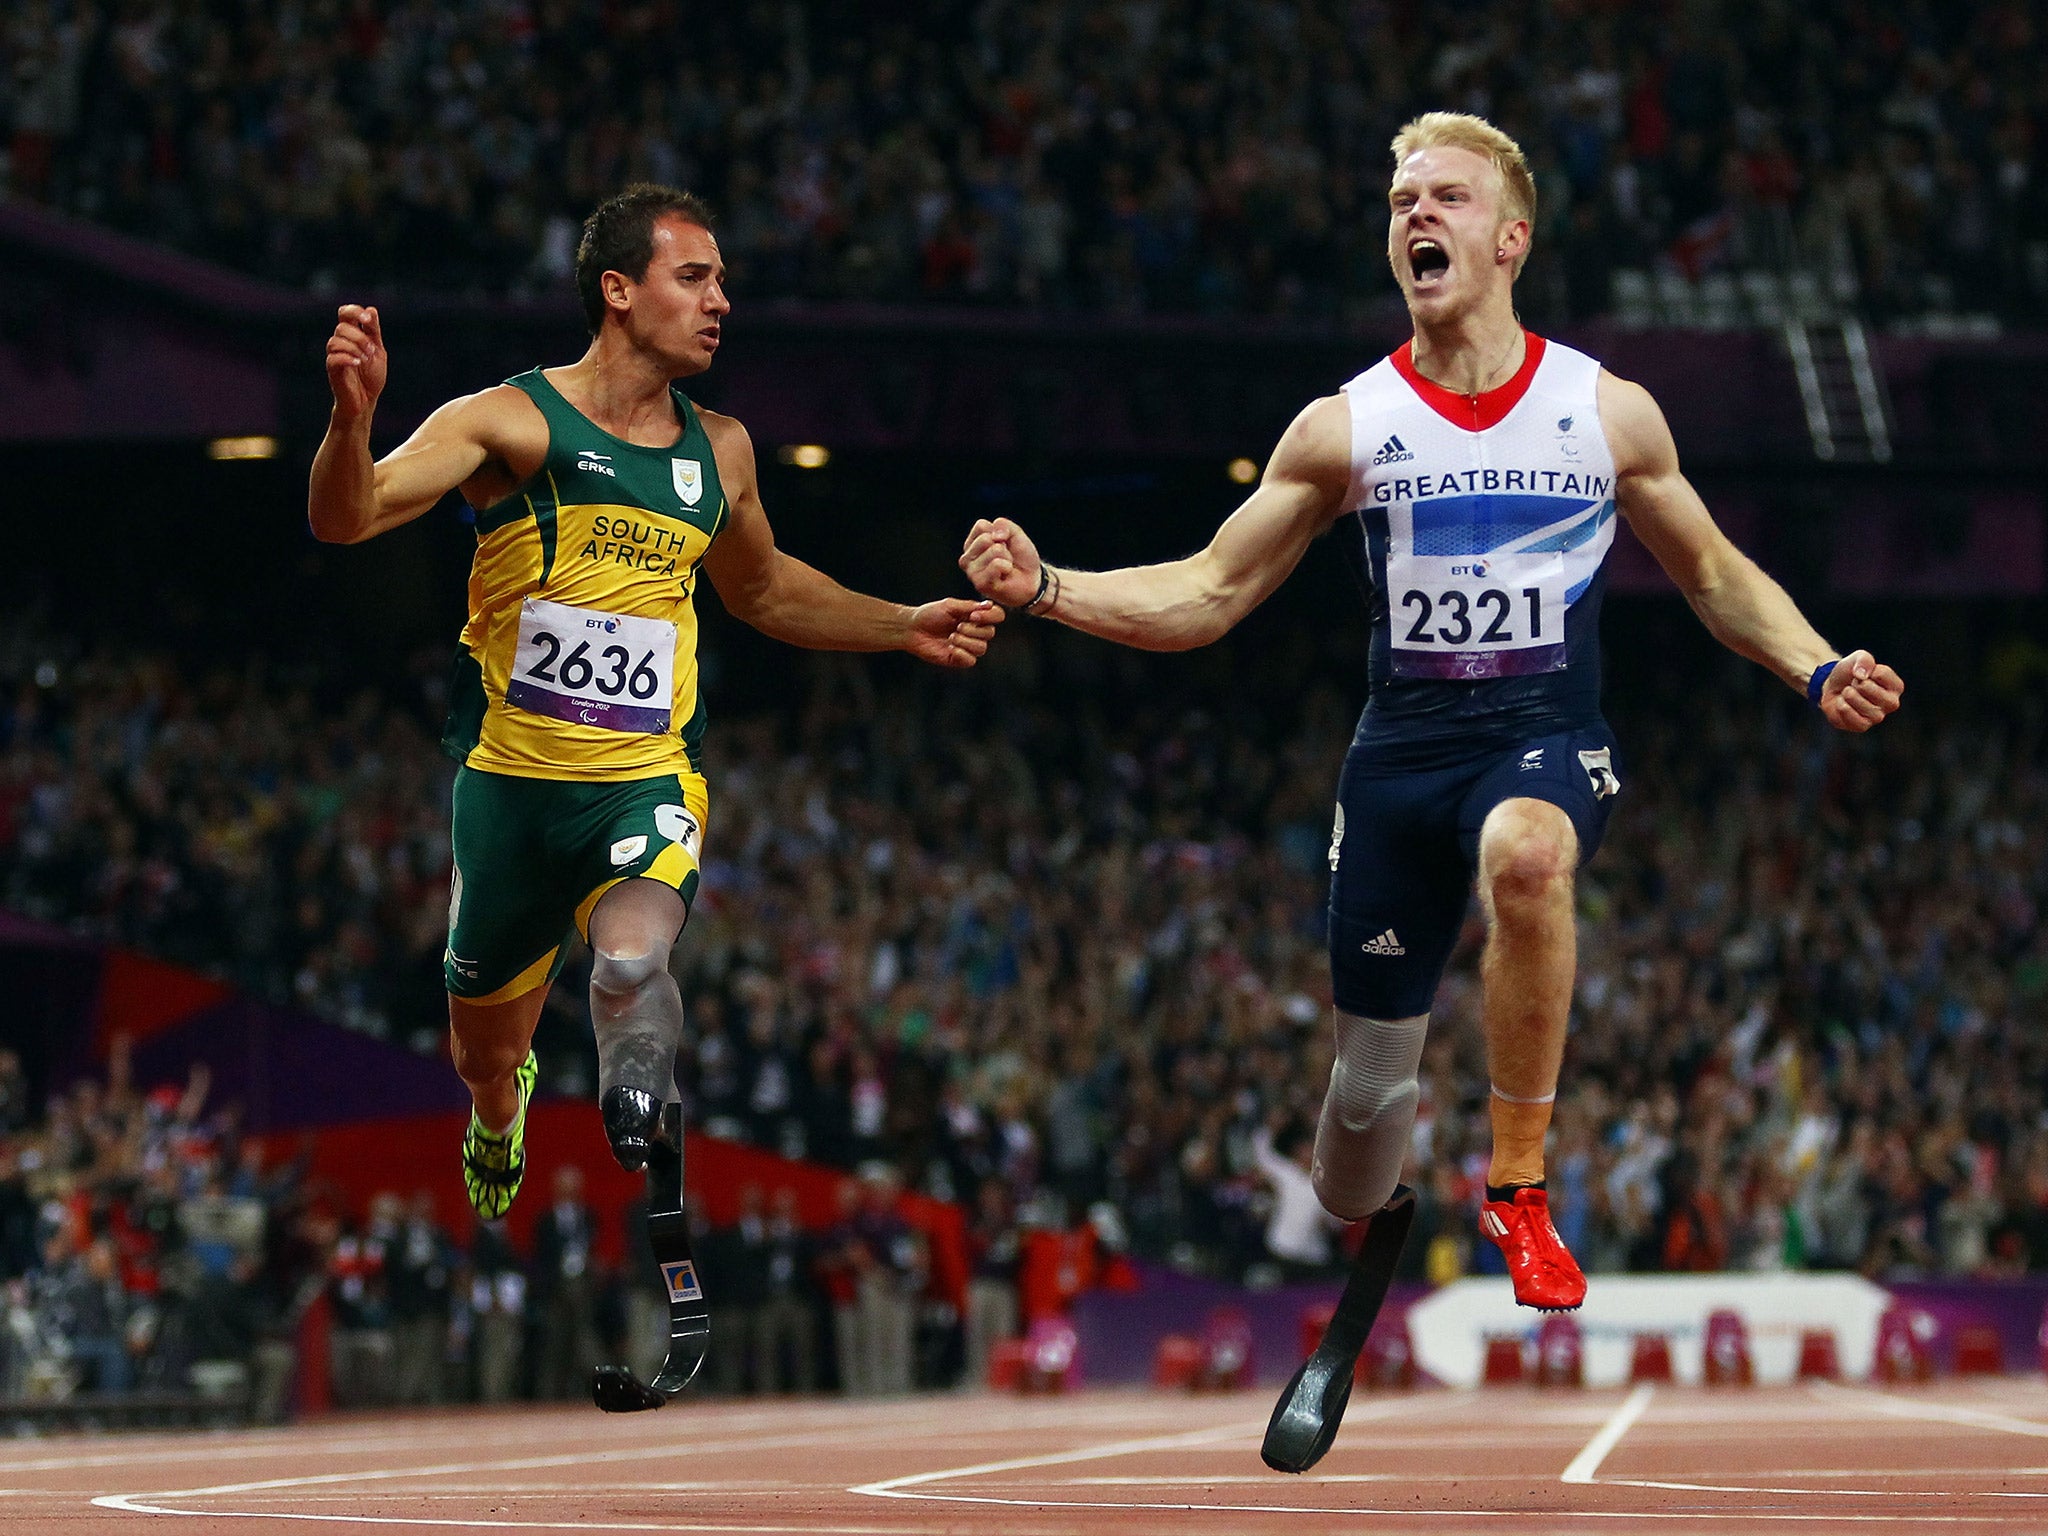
890, 1488
1587, 1462
916, 1485
150, 1503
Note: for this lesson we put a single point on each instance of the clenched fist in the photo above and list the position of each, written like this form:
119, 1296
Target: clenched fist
1002, 562
356, 364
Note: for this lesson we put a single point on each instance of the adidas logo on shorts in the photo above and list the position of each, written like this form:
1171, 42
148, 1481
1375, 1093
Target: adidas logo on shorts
1385, 944
1392, 452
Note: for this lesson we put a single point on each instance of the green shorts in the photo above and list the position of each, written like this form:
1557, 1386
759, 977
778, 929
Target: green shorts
532, 857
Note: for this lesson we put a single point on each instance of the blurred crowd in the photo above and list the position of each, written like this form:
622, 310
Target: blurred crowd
1139, 156
147, 1248
1063, 962
144, 1245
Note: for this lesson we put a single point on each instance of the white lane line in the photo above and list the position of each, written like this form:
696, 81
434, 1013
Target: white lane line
891, 1487
133, 1503
498, 1523
908, 1488
1587, 1462
1565, 1519
393, 1433
1211, 1480
1938, 1413
1825, 1493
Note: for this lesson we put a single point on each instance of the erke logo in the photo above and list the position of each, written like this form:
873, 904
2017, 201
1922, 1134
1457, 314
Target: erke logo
596, 463
1533, 758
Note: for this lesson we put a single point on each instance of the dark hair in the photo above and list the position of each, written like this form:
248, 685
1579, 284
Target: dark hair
619, 237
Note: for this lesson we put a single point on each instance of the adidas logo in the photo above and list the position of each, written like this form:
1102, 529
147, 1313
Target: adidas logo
1391, 452
1385, 944
1494, 1225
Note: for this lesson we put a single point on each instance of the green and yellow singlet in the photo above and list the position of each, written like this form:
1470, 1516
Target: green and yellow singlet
579, 659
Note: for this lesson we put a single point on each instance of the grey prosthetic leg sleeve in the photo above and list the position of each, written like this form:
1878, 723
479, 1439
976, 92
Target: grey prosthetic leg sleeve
1368, 1113
636, 1010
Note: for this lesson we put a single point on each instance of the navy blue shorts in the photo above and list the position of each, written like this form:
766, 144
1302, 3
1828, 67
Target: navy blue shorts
1406, 846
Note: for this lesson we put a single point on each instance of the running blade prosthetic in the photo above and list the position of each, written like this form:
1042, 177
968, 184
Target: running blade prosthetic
615, 1388
1305, 1421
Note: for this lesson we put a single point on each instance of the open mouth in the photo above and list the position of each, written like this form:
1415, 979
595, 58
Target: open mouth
1427, 260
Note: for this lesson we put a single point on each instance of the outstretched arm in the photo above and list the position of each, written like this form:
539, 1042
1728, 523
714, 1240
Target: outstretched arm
350, 497
1185, 603
1741, 606
796, 603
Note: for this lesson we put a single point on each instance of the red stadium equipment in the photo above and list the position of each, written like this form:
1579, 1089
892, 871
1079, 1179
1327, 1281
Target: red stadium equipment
1979, 1350
1052, 1356
1726, 1361
1649, 1358
1819, 1360
1503, 1360
1560, 1352
1176, 1362
1903, 1335
1227, 1361
1388, 1361
1006, 1365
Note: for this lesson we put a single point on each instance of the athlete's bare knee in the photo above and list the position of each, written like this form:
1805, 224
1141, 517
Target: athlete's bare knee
1527, 858
481, 1063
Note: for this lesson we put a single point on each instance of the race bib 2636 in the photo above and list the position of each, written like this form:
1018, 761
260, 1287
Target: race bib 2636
609, 670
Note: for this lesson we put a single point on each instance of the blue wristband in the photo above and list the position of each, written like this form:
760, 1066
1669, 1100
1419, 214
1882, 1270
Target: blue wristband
1817, 682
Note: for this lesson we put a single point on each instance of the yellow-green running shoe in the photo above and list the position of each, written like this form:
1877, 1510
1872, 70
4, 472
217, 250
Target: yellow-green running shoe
493, 1165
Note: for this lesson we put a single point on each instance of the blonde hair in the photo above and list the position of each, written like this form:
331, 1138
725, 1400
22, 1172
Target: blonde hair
1461, 130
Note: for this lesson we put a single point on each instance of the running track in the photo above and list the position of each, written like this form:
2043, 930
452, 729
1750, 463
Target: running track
1961, 1457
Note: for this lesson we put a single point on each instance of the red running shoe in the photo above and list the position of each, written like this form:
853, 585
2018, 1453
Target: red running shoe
1545, 1274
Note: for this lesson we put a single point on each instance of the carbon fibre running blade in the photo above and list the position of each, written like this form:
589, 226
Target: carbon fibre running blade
688, 1340
1305, 1420
615, 1388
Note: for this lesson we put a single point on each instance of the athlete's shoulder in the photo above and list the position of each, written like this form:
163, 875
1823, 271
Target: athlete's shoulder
1316, 446
509, 398
499, 417
730, 441
1637, 434
721, 428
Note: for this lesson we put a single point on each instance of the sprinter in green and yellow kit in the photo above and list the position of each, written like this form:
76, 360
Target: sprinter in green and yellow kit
602, 495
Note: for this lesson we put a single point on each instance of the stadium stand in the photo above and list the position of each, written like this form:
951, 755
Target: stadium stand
1083, 959
1142, 157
